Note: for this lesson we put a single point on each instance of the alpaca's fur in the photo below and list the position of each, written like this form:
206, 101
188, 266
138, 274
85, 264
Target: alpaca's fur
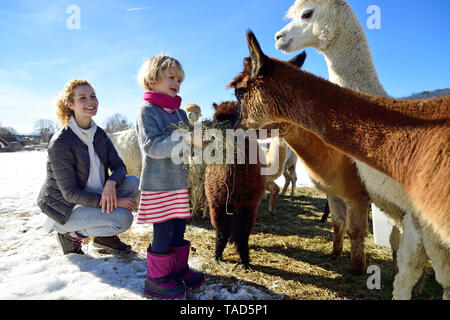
338, 34
335, 31
333, 173
127, 147
407, 140
193, 113
233, 192
289, 173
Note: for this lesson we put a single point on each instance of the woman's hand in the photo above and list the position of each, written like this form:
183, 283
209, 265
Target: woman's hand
108, 200
127, 203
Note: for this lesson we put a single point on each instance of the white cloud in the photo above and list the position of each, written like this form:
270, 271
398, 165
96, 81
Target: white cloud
137, 9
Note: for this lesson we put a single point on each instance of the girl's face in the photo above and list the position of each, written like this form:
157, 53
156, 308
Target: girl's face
169, 84
85, 103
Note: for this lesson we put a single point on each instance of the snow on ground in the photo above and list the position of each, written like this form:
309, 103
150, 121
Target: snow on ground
32, 265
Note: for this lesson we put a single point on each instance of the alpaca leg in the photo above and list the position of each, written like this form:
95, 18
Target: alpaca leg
339, 220
357, 230
222, 237
274, 191
411, 260
293, 180
440, 259
241, 227
287, 181
205, 204
222, 224
326, 212
241, 241
205, 212
394, 240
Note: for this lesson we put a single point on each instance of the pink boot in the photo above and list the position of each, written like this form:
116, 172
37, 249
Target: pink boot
160, 280
181, 268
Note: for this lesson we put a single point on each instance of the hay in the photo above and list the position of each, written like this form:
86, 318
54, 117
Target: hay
196, 166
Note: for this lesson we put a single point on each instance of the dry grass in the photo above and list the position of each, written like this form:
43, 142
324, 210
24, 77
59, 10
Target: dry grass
290, 255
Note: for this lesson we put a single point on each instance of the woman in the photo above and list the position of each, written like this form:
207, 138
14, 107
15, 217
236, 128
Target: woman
79, 197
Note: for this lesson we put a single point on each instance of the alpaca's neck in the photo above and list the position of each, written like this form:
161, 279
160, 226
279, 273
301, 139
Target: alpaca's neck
367, 128
349, 59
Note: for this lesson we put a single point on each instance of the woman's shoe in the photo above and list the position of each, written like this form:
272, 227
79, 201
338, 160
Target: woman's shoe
71, 242
112, 243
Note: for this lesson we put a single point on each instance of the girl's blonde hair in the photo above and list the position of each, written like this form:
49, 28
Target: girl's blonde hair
152, 69
63, 112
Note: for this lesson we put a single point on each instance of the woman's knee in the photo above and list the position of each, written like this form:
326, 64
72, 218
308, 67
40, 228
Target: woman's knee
123, 219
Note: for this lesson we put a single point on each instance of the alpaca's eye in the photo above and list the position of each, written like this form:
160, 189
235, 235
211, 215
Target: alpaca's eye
307, 14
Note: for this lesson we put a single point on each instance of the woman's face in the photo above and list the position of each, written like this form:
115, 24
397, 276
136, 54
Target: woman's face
169, 84
85, 103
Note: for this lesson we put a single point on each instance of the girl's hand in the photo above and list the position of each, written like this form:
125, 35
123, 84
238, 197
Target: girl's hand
108, 200
127, 203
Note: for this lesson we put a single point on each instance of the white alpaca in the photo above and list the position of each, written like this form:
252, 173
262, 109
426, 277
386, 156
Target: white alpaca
126, 144
275, 157
290, 176
331, 27
193, 113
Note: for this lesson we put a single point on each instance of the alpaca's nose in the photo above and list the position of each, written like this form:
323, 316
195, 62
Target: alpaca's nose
279, 36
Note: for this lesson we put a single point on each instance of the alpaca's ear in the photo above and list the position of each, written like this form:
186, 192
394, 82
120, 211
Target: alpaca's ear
215, 106
258, 58
298, 60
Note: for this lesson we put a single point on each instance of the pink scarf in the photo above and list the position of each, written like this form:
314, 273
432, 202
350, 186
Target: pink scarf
168, 103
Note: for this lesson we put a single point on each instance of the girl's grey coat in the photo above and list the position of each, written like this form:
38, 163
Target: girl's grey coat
154, 127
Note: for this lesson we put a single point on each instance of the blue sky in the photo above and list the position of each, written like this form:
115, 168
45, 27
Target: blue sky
39, 54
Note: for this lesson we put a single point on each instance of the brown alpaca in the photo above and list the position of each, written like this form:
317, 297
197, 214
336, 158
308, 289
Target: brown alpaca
335, 174
233, 193
407, 140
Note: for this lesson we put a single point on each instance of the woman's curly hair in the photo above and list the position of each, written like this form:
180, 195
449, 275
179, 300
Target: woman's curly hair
63, 112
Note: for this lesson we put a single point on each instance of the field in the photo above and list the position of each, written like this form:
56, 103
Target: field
290, 255
289, 252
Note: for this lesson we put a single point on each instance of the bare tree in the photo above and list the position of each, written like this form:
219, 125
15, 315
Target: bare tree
45, 128
7, 131
117, 122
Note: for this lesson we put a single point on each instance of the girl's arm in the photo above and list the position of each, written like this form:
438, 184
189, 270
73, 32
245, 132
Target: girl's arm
152, 140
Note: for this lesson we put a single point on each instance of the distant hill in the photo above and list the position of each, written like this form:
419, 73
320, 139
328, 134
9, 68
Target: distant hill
429, 94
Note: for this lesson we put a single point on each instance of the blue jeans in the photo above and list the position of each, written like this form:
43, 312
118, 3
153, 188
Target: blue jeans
92, 222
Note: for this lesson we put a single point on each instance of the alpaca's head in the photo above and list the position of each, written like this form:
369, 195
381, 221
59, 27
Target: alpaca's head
314, 24
193, 112
226, 111
259, 87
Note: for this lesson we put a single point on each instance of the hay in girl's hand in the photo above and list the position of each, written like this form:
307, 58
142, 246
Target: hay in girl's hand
214, 147
213, 135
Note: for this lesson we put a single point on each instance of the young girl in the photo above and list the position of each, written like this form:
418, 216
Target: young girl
79, 197
164, 194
